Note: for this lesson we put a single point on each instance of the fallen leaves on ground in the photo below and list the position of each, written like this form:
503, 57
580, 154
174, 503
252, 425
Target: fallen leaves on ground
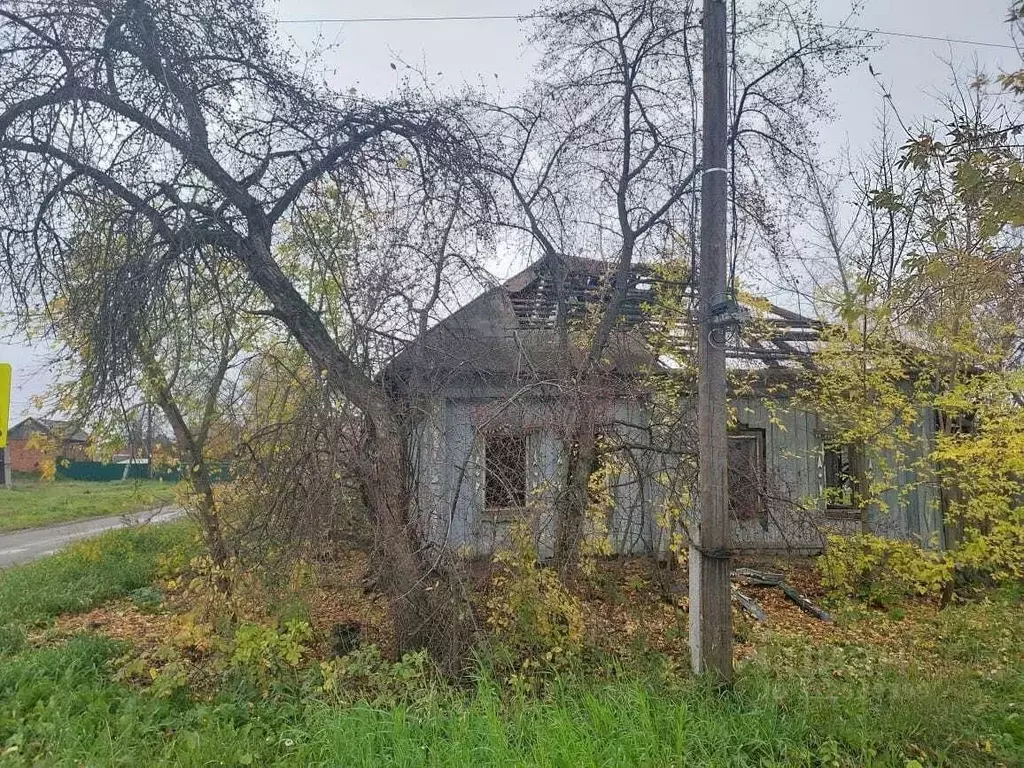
119, 620
629, 606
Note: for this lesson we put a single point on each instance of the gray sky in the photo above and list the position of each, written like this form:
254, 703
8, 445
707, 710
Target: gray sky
493, 52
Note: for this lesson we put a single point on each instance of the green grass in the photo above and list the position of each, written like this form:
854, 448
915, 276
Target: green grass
60, 708
88, 573
32, 503
771, 718
797, 704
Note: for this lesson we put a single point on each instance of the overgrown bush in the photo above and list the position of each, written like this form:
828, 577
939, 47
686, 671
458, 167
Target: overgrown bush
530, 611
882, 571
264, 651
295, 495
365, 675
982, 471
241, 591
197, 656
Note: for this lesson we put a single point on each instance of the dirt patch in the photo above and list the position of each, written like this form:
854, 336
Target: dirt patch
344, 595
120, 620
638, 602
629, 606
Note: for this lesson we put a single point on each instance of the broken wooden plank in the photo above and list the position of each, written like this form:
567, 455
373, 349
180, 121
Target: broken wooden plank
751, 577
754, 578
805, 605
750, 606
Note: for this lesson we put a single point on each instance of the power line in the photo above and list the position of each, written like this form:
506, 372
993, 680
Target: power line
387, 19
932, 38
510, 17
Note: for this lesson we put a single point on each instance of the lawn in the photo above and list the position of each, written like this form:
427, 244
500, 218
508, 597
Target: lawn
796, 702
32, 503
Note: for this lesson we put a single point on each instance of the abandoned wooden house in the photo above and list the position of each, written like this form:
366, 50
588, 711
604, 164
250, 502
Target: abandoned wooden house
489, 391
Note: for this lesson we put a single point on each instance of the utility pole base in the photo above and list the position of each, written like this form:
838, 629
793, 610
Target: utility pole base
710, 625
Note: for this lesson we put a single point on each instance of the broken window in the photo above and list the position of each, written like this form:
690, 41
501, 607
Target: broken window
954, 423
747, 473
839, 477
505, 462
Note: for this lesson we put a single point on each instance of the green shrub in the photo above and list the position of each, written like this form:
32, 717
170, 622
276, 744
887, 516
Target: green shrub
880, 571
365, 675
530, 611
264, 652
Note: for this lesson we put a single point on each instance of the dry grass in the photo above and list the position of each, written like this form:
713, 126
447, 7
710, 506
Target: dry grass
630, 605
119, 620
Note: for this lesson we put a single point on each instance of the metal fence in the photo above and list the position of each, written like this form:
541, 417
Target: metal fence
100, 472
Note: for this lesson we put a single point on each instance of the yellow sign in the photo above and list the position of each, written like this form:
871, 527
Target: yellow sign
5, 402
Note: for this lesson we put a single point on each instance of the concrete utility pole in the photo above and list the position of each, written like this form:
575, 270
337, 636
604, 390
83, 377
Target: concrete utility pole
149, 440
710, 586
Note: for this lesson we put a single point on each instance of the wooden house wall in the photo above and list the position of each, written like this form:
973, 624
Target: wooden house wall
449, 456
794, 479
795, 467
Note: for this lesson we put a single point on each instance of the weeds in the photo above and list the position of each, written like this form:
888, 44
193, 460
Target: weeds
364, 675
795, 703
537, 621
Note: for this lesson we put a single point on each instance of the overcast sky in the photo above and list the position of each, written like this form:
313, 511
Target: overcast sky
493, 52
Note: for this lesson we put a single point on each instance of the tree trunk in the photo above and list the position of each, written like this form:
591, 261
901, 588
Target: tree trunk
213, 534
571, 504
197, 472
427, 599
428, 604
581, 437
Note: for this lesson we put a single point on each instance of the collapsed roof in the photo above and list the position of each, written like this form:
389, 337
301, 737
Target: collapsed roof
509, 330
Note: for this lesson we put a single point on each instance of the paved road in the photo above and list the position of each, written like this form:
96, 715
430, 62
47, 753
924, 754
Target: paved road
22, 546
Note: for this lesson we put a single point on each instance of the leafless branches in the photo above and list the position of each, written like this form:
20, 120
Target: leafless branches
600, 159
195, 123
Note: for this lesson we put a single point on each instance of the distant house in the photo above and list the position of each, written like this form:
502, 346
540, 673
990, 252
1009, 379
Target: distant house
35, 440
488, 393
163, 449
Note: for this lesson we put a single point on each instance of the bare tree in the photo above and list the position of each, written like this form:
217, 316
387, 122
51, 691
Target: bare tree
193, 119
180, 355
602, 158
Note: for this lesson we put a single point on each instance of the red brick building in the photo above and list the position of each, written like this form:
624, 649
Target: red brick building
33, 441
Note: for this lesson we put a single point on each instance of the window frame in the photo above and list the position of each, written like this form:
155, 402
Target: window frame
850, 487
759, 436
509, 512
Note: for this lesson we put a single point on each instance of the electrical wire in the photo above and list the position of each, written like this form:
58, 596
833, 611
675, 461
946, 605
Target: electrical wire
513, 17
931, 38
402, 19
